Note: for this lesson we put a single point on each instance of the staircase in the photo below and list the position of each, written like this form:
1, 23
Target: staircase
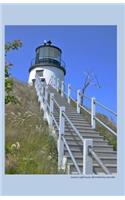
102, 149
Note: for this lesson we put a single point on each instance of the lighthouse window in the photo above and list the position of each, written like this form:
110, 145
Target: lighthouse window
39, 72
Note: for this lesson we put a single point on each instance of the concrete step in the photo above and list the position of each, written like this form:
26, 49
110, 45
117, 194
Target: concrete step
71, 130
82, 129
80, 118
77, 122
77, 125
95, 143
107, 160
74, 114
101, 156
95, 147
111, 167
99, 152
85, 134
80, 122
76, 138
96, 168
82, 126
73, 118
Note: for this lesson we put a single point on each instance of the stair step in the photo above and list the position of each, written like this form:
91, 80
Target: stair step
105, 160
77, 139
83, 124
99, 152
91, 135
83, 134
111, 167
74, 115
84, 130
96, 168
80, 143
96, 146
103, 157
79, 120
96, 137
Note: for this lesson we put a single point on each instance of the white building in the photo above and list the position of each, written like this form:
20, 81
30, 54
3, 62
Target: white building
47, 64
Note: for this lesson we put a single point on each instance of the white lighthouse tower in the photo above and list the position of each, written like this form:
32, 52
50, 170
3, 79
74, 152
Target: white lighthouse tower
47, 64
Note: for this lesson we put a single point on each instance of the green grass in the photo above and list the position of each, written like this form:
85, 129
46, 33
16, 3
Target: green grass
29, 146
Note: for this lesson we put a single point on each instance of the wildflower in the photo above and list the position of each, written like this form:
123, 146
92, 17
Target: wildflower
17, 145
13, 146
49, 157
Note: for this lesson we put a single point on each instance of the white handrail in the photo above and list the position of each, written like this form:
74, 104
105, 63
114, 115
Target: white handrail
71, 155
106, 126
106, 108
85, 109
73, 99
95, 156
56, 103
55, 121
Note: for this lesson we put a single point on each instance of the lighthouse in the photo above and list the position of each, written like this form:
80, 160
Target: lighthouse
48, 64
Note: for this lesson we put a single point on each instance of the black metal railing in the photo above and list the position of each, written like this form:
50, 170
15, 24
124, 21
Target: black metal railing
48, 60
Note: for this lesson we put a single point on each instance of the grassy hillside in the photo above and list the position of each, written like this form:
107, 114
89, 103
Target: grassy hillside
29, 146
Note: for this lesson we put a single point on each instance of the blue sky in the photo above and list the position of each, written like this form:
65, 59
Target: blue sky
85, 48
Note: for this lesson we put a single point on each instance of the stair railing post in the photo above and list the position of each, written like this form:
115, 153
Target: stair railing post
45, 101
69, 93
78, 100
55, 82
57, 85
62, 88
43, 89
93, 113
41, 96
36, 83
39, 88
60, 140
87, 158
36, 86
51, 81
51, 108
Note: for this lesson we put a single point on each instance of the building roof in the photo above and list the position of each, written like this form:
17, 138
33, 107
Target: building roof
48, 44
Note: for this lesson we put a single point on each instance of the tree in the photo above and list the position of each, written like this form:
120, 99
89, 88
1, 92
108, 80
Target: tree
14, 45
90, 79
